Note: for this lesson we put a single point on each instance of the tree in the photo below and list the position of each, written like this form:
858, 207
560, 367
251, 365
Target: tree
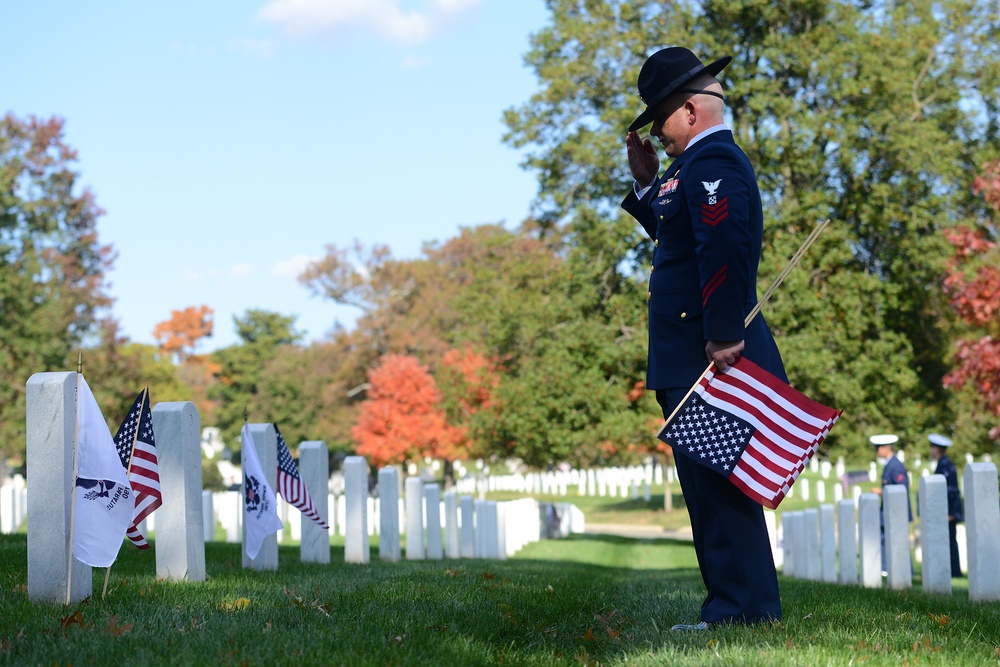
52, 267
548, 312
468, 381
179, 335
304, 389
401, 419
240, 369
118, 369
405, 304
973, 286
514, 298
848, 110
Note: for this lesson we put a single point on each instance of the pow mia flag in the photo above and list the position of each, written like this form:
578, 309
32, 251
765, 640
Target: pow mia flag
260, 513
103, 495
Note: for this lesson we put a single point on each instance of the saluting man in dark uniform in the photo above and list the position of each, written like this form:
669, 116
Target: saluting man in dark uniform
893, 472
705, 218
939, 449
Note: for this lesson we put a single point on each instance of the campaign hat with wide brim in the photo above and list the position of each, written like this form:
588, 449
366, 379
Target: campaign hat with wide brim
665, 72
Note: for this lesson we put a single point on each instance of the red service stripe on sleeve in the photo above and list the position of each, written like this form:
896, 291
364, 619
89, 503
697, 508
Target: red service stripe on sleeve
716, 213
713, 284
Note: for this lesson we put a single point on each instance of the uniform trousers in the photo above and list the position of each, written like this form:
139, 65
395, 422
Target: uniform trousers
956, 564
730, 540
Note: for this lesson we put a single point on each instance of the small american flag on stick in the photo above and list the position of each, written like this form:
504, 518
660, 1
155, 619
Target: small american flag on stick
290, 486
137, 450
751, 427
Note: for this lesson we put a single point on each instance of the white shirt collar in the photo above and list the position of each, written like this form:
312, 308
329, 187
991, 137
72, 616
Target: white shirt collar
704, 133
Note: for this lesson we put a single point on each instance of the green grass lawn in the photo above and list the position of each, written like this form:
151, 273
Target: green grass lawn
584, 601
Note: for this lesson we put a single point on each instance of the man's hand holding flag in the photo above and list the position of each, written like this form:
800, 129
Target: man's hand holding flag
748, 425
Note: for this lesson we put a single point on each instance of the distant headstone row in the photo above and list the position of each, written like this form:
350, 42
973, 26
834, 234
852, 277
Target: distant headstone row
457, 526
844, 543
625, 482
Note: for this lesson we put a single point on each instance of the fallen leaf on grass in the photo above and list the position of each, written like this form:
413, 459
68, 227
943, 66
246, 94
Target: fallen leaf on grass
489, 575
605, 619
589, 636
453, 573
550, 589
941, 619
115, 630
926, 644
239, 604
712, 643
76, 618
809, 615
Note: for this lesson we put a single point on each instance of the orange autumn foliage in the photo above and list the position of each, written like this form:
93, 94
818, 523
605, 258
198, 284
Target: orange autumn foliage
402, 419
179, 335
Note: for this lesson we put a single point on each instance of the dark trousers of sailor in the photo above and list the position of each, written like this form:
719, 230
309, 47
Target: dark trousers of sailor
730, 539
956, 565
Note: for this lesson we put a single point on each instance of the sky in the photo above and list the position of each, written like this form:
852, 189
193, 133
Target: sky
230, 143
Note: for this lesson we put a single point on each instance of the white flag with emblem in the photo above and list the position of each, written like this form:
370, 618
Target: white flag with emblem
260, 512
103, 496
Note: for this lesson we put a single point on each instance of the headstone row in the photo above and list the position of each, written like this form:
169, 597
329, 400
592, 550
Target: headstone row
627, 482
845, 543
457, 526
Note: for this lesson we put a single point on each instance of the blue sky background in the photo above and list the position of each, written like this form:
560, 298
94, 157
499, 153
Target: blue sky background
231, 142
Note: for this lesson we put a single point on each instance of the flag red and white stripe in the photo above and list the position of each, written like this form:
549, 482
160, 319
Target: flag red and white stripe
751, 427
136, 445
290, 485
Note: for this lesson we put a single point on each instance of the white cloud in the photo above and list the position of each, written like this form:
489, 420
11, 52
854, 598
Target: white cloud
387, 19
291, 268
241, 270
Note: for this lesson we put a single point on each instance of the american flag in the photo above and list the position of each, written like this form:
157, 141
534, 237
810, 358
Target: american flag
136, 445
751, 427
290, 486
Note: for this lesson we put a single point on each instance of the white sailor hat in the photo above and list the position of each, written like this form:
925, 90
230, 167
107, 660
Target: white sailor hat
939, 440
884, 439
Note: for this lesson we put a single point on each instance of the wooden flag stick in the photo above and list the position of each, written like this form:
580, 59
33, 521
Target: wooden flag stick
753, 313
72, 488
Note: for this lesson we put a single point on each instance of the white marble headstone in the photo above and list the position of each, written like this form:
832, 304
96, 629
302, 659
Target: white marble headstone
934, 544
982, 524
356, 549
388, 492
180, 528
870, 540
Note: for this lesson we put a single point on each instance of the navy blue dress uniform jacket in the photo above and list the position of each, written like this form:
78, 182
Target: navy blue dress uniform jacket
705, 217
947, 468
894, 472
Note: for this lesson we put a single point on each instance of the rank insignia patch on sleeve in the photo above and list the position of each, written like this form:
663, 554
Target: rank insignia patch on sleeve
713, 214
